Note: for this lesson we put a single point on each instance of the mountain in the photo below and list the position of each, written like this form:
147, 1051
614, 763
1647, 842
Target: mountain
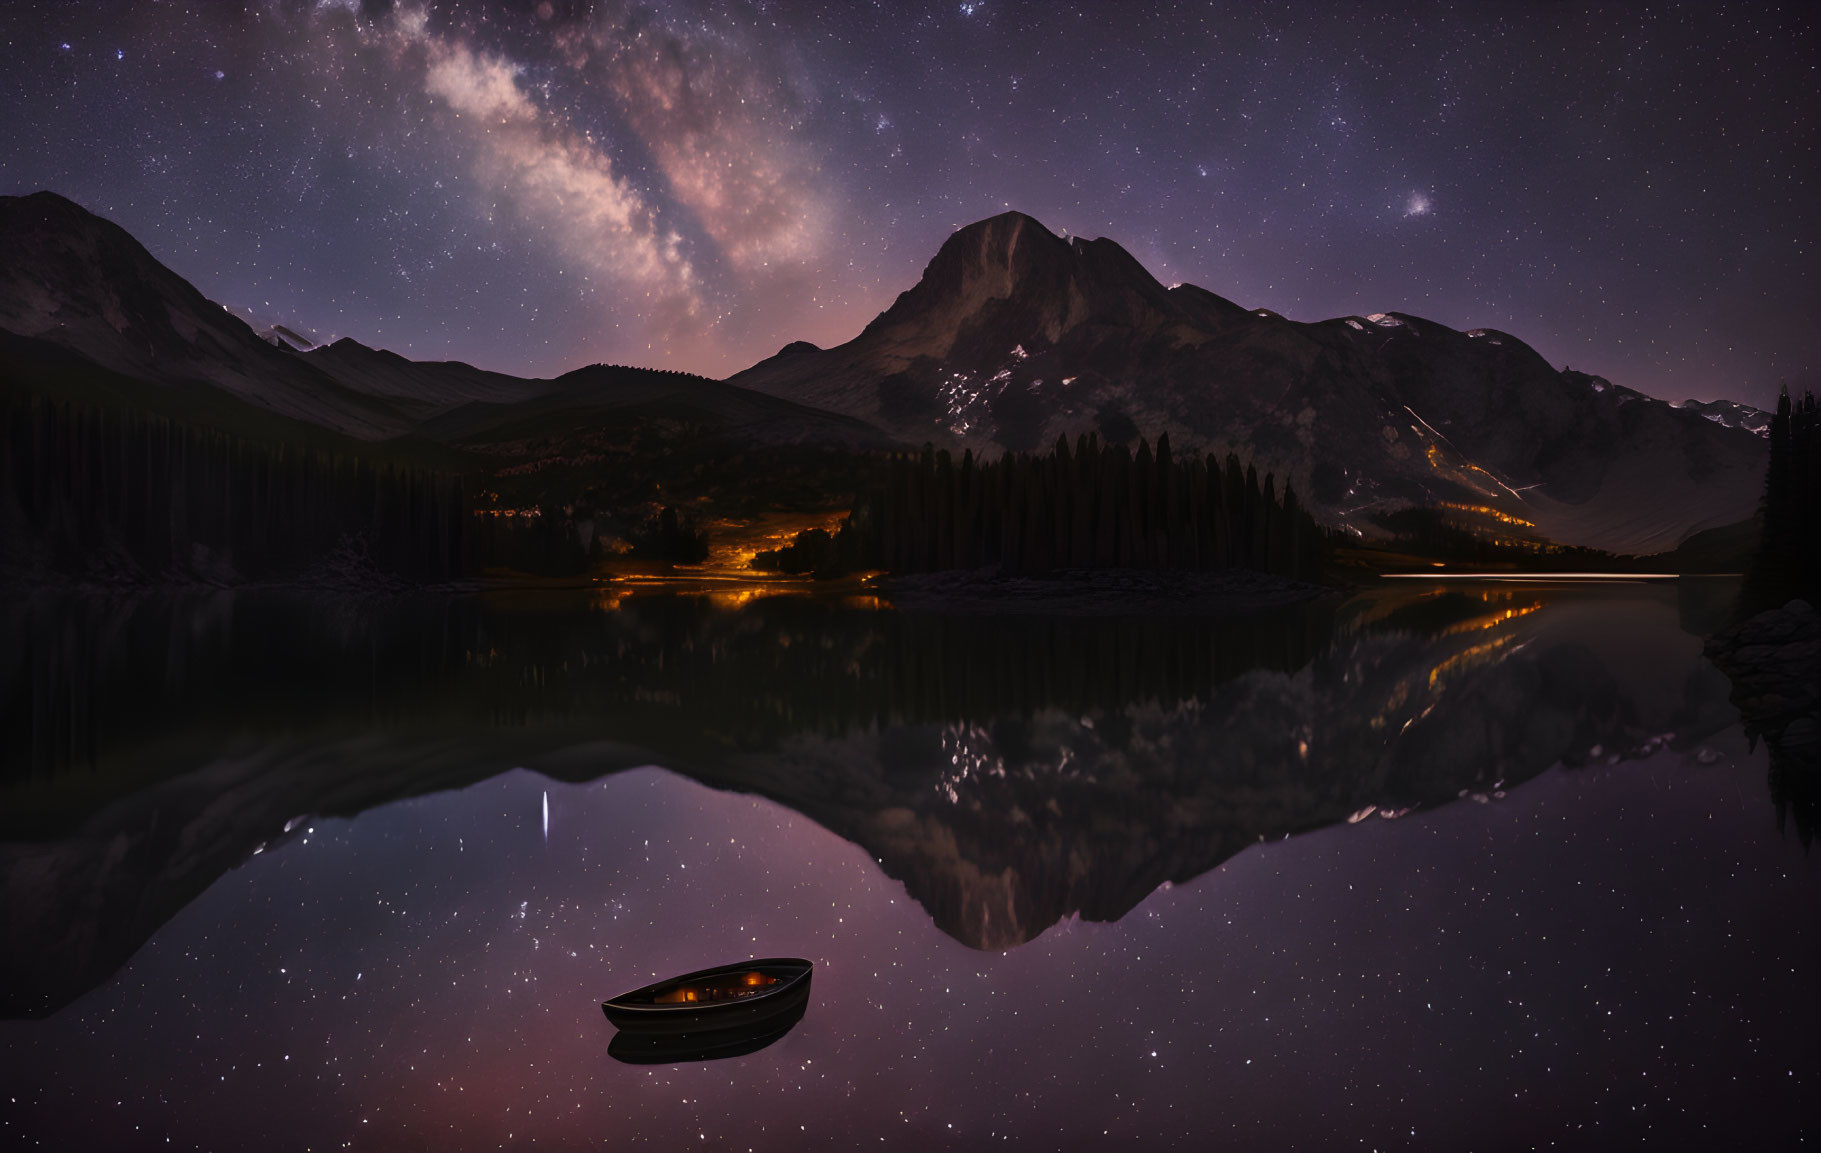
1015, 336
419, 390
1732, 414
579, 406
278, 333
1012, 337
77, 289
219, 420
80, 284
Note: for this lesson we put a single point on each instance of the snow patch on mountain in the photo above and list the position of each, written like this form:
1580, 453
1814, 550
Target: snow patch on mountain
288, 335
1731, 414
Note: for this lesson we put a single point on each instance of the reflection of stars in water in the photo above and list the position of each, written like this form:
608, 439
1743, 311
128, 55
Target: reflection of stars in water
1362, 959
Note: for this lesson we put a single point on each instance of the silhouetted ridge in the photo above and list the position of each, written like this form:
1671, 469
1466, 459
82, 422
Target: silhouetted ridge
78, 259
83, 284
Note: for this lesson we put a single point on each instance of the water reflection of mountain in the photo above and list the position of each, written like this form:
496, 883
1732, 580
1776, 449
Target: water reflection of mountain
1011, 772
95, 682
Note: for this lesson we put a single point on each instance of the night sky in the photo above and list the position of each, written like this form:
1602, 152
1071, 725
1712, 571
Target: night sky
692, 184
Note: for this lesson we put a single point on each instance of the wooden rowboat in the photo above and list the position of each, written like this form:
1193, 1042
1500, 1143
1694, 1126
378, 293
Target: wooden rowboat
739, 996
635, 1048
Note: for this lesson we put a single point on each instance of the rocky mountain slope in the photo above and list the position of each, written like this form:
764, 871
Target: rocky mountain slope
1732, 414
81, 284
1014, 336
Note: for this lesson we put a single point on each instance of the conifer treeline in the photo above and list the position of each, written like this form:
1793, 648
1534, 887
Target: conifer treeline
85, 488
1091, 507
546, 546
1788, 563
91, 486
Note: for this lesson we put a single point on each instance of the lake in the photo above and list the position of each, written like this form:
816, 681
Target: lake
1428, 866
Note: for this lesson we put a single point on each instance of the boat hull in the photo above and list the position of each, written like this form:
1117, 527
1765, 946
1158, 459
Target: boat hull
641, 1048
640, 1012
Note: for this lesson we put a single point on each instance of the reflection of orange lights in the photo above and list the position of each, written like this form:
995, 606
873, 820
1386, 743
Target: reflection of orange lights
730, 590
734, 598
1399, 694
1467, 658
1492, 620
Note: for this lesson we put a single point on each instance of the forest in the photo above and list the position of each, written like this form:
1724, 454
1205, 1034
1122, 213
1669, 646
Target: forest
1093, 506
1788, 564
107, 493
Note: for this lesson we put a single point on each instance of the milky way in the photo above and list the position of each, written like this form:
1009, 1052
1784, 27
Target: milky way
691, 184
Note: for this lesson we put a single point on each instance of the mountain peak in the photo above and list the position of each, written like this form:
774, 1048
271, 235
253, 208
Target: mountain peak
1019, 247
1015, 336
45, 201
1011, 218
82, 283
348, 346
996, 255
77, 278
1008, 281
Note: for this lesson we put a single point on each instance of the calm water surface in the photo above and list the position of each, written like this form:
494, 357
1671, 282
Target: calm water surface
1429, 868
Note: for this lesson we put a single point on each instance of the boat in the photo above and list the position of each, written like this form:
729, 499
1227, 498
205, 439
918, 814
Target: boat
740, 996
635, 1048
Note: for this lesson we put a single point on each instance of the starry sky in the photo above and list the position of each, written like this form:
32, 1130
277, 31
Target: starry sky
694, 183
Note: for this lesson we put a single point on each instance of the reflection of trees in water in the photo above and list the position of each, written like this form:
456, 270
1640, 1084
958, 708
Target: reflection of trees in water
1774, 662
1788, 562
1774, 657
1010, 771
90, 681
1795, 787
999, 829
